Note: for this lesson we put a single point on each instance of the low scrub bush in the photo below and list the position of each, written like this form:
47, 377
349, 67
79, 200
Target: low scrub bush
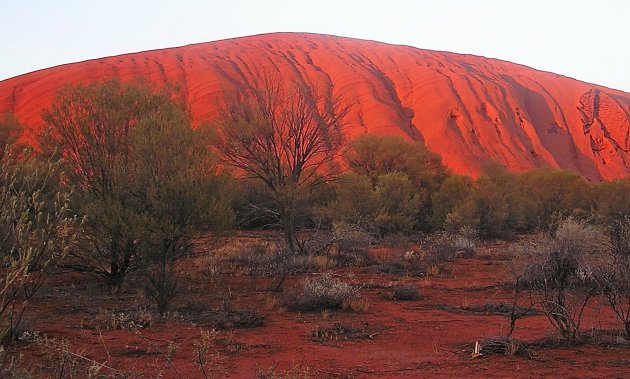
224, 317
139, 319
505, 309
411, 263
339, 332
444, 246
614, 276
124, 320
322, 293
391, 267
561, 279
297, 371
267, 259
230, 318
284, 264
504, 346
404, 292
252, 258
352, 244
37, 231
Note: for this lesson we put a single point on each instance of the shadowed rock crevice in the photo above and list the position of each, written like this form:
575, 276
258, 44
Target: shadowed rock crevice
607, 125
554, 139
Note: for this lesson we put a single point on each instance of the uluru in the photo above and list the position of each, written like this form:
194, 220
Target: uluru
468, 109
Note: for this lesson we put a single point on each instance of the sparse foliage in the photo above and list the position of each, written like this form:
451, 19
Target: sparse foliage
324, 292
340, 332
10, 131
562, 280
37, 231
615, 276
210, 364
286, 136
405, 292
352, 244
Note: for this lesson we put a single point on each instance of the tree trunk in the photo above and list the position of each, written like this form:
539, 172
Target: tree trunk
289, 235
287, 218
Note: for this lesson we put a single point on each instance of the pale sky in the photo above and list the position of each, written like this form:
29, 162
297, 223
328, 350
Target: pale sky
584, 39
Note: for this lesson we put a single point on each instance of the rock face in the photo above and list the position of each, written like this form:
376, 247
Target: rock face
466, 108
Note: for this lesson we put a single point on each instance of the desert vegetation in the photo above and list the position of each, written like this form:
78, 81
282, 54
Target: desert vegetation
182, 239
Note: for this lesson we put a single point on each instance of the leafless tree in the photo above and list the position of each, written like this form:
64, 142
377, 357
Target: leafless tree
287, 136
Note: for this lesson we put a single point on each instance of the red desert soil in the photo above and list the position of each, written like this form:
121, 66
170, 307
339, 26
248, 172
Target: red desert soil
466, 108
429, 337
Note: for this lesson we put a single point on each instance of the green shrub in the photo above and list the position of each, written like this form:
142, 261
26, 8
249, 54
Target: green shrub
392, 204
145, 181
611, 200
372, 156
452, 193
500, 204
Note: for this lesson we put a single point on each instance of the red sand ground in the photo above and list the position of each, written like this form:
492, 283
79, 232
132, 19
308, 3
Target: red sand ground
466, 108
411, 339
